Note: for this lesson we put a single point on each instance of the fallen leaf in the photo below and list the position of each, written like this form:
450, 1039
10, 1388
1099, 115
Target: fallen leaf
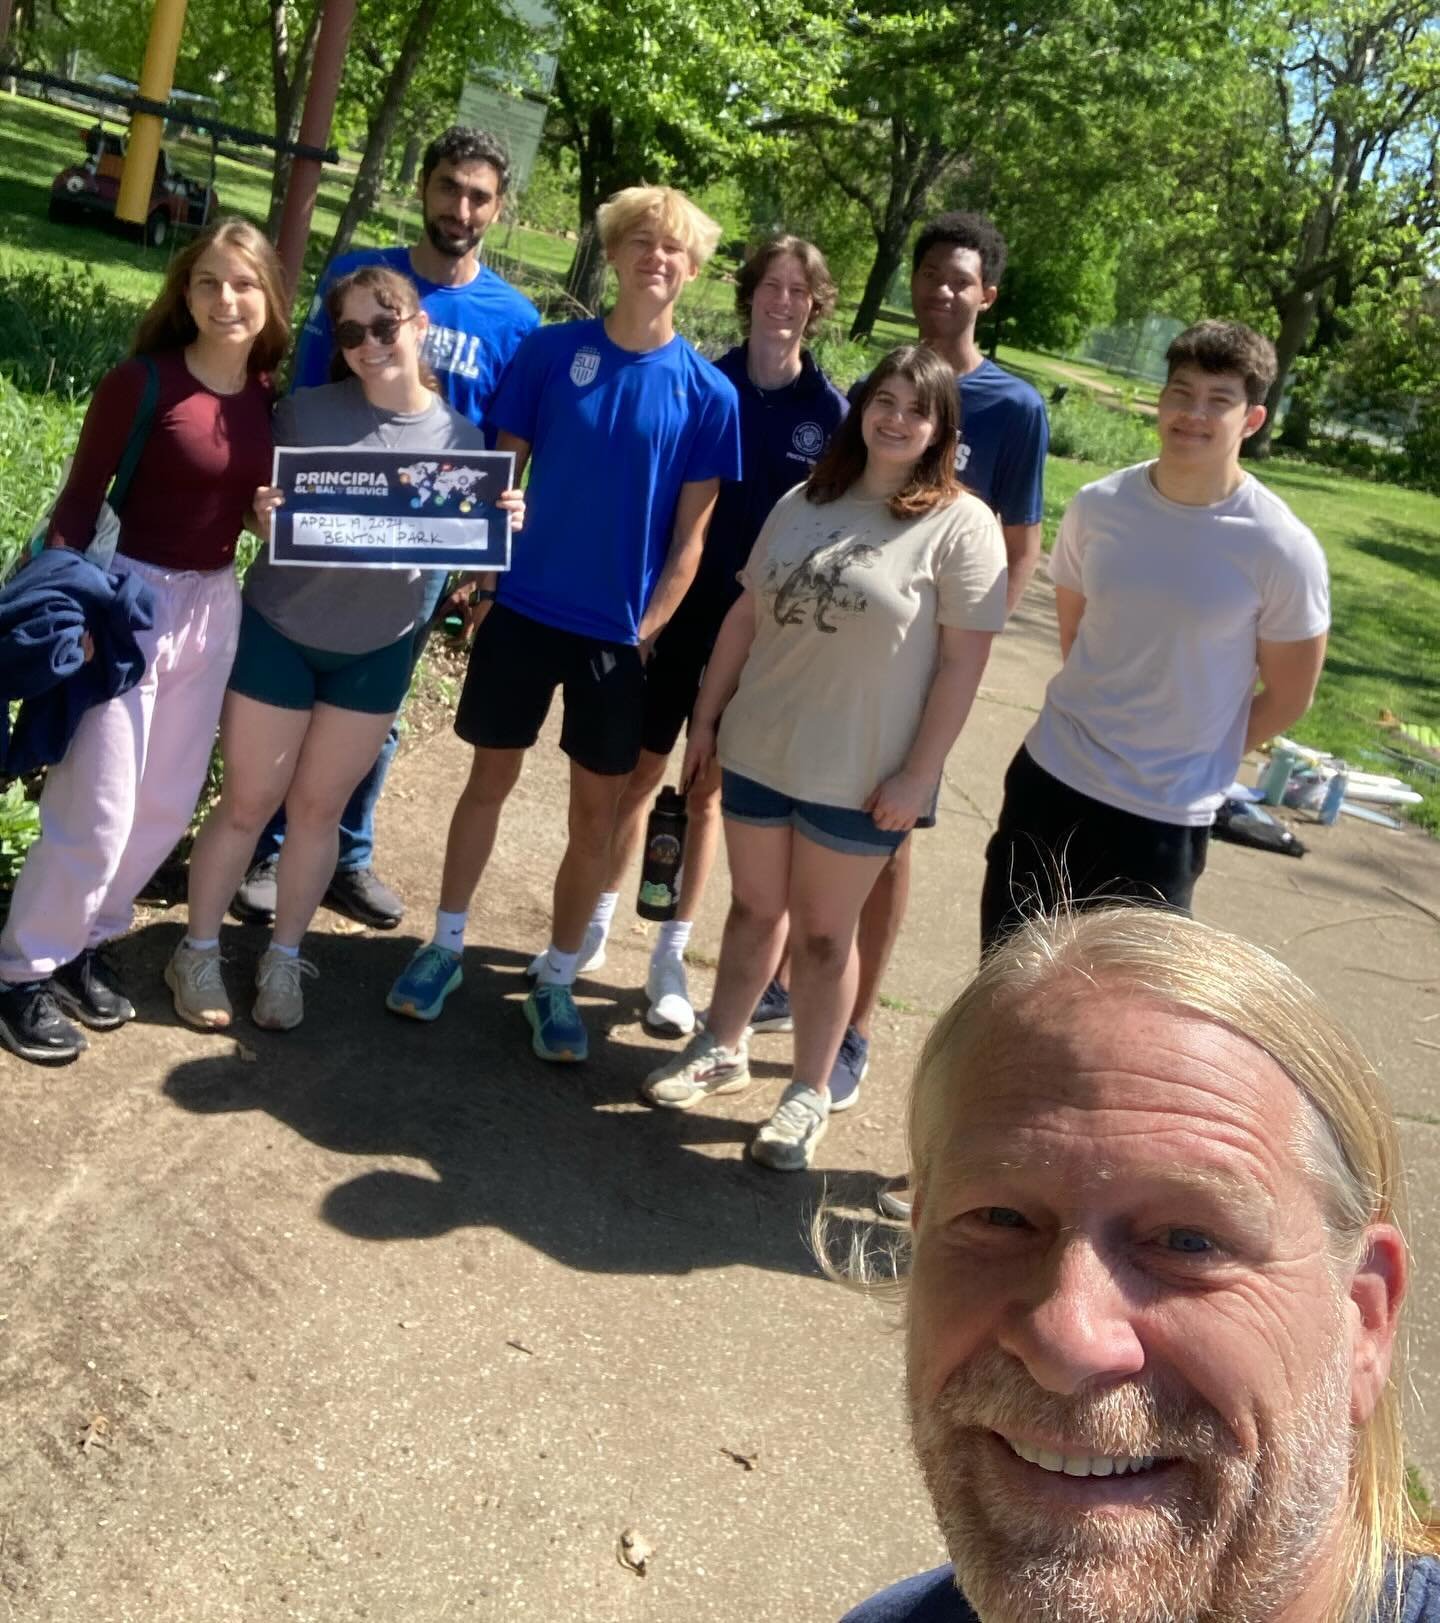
409, 1324
245, 1053
747, 1461
95, 1433
346, 927
634, 1551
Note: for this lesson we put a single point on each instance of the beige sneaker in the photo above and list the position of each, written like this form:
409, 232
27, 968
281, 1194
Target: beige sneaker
198, 987
701, 1068
280, 1005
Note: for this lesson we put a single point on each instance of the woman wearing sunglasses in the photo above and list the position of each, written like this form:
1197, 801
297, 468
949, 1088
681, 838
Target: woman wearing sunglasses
324, 658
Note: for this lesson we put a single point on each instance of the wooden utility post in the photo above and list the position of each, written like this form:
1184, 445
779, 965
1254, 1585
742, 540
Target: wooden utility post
137, 180
314, 132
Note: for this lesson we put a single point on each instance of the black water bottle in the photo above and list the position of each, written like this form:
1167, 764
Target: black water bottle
664, 853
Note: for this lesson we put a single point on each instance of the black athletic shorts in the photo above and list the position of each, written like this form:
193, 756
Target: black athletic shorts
674, 673
1055, 845
515, 667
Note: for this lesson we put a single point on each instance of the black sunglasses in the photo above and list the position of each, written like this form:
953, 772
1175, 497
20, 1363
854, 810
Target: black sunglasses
384, 330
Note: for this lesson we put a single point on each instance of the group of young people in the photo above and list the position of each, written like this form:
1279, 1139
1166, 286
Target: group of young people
810, 582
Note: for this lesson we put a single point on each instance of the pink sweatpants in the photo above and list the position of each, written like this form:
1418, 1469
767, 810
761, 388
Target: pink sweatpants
112, 810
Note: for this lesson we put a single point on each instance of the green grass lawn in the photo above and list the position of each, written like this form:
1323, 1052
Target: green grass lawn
1383, 542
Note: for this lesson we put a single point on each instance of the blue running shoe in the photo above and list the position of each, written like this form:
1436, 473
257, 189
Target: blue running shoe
559, 1031
848, 1071
426, 981
772, 1012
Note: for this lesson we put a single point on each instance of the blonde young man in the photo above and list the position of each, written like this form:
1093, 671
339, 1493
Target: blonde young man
1156, 1275
630, 432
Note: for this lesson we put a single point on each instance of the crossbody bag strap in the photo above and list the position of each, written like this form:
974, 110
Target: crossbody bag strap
139, 433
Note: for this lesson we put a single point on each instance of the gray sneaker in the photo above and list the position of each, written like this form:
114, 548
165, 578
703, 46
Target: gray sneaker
701, 1068
198, 988
279, 1002
786, 1142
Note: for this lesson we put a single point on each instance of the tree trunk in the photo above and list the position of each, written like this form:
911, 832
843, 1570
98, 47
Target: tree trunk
382, 126
1296, 309
889, 252
290, 81
1294, 435
585, 280
410, 161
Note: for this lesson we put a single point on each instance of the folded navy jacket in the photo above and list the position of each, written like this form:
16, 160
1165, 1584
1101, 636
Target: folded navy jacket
44, 612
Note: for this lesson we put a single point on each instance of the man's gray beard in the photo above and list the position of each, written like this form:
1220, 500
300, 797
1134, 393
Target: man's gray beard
1235, 1547
444, 245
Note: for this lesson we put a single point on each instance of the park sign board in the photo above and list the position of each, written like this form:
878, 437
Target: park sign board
514, 113
367, 509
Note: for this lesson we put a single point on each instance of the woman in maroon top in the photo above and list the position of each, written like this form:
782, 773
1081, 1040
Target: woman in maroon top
113, 809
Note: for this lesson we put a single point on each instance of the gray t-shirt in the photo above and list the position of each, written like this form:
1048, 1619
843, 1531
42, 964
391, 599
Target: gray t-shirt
1148, 713
351, 611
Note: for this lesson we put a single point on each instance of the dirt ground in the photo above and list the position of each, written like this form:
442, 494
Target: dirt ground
391, 1322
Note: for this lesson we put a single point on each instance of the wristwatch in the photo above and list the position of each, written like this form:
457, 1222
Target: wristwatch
481, 594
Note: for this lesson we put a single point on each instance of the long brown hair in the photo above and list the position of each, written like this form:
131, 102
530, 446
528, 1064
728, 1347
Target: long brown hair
823, 291
168, 324
932, 482
392, 292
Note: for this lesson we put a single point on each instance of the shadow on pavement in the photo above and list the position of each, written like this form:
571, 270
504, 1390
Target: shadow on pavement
565, 1158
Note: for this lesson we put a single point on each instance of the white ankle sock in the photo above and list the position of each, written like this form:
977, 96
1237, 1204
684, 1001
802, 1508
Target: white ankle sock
449, 930
604, 912
558, 968
674, 937
285, 952
200, 946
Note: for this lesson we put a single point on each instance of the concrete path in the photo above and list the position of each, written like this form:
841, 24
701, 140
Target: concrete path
390, 1322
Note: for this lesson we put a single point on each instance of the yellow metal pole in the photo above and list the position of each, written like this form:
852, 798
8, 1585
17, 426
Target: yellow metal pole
156, 78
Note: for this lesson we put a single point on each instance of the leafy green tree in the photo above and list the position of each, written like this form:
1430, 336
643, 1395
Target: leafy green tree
1329, 184
655, 92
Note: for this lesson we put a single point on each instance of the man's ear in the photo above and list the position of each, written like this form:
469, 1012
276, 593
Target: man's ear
1254, 421
1377, 1290
988, 297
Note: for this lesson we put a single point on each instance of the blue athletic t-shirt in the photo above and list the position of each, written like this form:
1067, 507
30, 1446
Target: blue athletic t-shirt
613, 436
474, 331
933, 1598
1004, 438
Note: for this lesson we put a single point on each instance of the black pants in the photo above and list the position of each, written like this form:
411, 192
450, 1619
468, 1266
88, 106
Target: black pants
1055, 846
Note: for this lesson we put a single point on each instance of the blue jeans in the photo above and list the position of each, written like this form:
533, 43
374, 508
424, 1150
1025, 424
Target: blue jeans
357, 823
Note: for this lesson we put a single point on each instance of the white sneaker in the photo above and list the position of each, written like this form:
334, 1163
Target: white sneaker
670, 1013
787, 1141
592, 953
701, 1068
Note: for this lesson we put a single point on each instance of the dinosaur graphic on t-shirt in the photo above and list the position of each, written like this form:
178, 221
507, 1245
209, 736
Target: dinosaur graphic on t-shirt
816, 582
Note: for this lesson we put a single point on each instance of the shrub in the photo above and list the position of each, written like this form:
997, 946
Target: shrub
60, 330
36, 435
19, 829
1082, 429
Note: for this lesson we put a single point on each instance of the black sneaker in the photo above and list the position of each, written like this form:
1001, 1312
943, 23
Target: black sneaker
359, 895
254, 902
32, 1026
88, 990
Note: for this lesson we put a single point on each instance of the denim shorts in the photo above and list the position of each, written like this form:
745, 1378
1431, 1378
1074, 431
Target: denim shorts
837, 828
274, 669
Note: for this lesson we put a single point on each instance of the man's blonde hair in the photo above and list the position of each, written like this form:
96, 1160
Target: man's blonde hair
663, 206
1350, 1145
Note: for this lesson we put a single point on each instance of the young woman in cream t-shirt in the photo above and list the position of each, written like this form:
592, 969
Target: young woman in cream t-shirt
844, 674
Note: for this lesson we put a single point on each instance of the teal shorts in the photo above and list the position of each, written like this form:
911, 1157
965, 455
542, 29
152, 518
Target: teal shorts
272, 668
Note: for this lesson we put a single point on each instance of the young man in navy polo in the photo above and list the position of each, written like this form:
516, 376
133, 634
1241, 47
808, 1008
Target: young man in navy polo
477, 321
788, 411
630, 432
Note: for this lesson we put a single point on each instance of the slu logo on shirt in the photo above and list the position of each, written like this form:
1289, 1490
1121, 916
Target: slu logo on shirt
585, 367
808, 439
446, 350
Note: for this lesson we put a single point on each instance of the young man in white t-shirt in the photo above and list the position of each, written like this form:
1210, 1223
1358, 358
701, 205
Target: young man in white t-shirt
1177, 584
